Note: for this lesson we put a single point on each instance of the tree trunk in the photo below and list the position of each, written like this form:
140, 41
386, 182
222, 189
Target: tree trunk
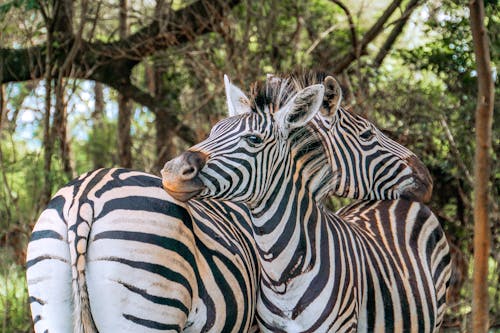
165, 148
124, 107
3, 108
60, 127
482, 170
97, 123
124, 137
47, 135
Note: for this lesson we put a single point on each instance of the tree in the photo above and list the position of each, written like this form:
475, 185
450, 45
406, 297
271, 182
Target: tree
482, 169
111, 62
124, 106
170, 64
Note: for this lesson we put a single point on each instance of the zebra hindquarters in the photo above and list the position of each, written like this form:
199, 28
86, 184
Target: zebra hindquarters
429, 255
141, 271
407, 265
49, 274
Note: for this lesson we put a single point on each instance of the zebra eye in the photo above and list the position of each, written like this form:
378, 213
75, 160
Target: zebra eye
253, 140
367, 135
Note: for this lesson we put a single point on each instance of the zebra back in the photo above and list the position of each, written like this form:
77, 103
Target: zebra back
149, 263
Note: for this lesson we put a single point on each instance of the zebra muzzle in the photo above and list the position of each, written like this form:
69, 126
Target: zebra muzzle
180, 175
422, 182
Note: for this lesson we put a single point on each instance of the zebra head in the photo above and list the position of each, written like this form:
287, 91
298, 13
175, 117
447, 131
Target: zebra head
340, 151
370, 164
243, 153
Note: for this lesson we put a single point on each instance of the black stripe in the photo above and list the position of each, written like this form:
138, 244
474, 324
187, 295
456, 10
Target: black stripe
157, 299
35, 261
152, 324
147, 238
163, 271
33, 299
36, 235
57, 203
148, 204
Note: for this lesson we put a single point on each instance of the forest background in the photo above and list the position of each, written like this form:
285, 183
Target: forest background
132, 83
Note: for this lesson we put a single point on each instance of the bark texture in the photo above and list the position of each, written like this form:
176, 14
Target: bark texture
124, 105
482, 170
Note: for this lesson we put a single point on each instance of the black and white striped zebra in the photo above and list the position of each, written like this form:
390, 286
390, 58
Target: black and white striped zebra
382, 268
113, 252
133, 198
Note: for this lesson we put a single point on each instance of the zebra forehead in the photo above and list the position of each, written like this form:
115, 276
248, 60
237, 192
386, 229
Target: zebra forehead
254, 121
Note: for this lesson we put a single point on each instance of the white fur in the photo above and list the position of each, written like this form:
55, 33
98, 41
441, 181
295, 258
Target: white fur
309, 99
237, 102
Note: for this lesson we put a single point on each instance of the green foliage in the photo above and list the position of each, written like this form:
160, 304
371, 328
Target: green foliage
27, 5
14, 308
423, 96
100, 147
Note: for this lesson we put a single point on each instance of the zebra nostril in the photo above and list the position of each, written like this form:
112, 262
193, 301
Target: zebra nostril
189, 172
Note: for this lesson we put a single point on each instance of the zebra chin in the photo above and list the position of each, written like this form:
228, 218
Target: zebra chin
183, 191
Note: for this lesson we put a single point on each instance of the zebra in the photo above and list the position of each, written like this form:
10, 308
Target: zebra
113, 252
378, 266
71, 242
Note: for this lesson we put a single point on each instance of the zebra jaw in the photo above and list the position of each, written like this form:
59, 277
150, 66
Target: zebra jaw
421, 189
180, 175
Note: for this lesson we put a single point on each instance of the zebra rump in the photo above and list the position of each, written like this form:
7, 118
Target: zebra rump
113, 252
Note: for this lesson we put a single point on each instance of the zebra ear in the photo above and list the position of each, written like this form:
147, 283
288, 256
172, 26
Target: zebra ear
237, 101
332, 98
301, 109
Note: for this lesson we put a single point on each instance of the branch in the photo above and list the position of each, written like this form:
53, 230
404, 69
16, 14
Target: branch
184, 25
395, 32
112, 63
129, 90
352, 27
344, 62
456, 152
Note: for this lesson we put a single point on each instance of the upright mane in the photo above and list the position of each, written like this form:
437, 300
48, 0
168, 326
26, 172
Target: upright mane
277, 90
305, 143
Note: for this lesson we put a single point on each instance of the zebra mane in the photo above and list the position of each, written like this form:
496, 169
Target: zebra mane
305, 142
277, 90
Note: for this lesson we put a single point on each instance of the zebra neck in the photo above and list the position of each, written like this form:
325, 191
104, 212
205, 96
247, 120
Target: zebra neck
287, 235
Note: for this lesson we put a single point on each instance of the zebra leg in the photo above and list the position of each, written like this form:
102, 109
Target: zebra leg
49, 275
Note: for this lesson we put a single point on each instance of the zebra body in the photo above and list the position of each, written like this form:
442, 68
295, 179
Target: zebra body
383, 268
113, 252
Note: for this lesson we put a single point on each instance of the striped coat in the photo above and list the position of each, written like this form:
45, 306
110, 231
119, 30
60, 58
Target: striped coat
113, 252
378, 266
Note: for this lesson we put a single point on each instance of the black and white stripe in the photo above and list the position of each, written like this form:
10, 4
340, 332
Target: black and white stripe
378, 266
113, 252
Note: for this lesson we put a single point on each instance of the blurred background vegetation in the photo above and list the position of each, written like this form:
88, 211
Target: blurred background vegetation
135, 82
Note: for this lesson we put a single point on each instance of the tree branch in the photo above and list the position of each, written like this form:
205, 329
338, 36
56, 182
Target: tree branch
341, 64
127, 89
184, 25
352, 27
395, 32
112, 63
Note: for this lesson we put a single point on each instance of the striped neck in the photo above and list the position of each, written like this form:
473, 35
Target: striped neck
285, 226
